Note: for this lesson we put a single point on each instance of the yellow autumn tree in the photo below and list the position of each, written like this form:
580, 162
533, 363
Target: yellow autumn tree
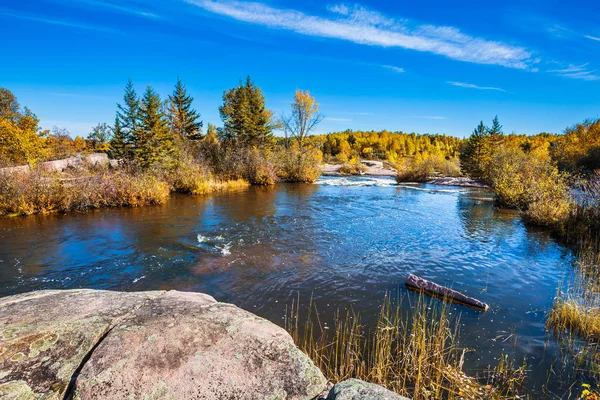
20, 139
303, 118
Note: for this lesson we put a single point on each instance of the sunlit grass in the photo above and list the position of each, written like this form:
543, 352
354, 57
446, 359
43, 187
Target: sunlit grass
414, 354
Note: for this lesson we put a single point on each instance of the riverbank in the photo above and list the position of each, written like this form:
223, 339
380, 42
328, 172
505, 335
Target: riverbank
183, 345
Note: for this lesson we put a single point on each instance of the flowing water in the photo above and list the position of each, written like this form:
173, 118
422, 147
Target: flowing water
345, 241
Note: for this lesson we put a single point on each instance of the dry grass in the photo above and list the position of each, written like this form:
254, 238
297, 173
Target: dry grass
414, 355
40, 193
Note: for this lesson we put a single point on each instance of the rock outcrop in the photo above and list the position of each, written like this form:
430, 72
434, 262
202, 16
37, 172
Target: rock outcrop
89, 344
355, 389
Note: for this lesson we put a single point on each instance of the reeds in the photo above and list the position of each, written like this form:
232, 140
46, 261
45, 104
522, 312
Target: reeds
415, 354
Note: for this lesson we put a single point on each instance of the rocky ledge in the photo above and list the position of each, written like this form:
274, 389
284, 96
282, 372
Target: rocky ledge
89, 344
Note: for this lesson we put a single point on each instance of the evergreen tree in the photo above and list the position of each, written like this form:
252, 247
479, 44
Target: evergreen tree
128, 115
118, 144
184, 119
496, 129
471, 152
247, 122
153, 139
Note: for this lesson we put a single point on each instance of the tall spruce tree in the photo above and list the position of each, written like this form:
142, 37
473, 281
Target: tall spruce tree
118, 143
477, 153
471, 152
246, 120
184, 119
153, 139
128, 115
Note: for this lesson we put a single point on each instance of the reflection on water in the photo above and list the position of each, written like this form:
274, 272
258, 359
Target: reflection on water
345, 241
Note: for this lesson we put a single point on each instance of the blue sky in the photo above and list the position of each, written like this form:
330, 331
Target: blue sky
426, 66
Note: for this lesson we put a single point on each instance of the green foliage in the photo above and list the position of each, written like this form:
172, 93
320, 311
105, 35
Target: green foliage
246, 120
476, 153
118, 144
153, 141
128, 116
183, 118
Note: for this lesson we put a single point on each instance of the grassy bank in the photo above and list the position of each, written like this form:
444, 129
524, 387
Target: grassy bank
39, 192
414, 354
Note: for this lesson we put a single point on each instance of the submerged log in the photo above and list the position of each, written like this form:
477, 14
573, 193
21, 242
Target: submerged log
433, 289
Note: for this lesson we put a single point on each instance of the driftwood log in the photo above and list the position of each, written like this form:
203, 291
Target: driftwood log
433, 289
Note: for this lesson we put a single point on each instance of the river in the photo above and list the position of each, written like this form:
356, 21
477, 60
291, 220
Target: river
345, 241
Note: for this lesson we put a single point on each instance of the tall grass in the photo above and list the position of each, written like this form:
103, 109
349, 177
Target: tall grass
40, 193
414, 354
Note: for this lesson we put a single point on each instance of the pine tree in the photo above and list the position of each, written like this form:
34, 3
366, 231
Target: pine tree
153, 139
129, 116
496, 129
118, 144
471, 152
247, 122
184, 119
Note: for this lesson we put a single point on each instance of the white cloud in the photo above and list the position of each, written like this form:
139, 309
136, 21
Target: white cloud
360, 25
473, 86
394, 68
119, 8
332, 119
597, 39
577, 72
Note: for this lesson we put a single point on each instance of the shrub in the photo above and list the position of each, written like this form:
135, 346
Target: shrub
423, 166
352, 167
294, 165
531, 183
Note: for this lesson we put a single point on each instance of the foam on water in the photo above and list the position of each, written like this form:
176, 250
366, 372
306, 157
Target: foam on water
357, 181
225, 250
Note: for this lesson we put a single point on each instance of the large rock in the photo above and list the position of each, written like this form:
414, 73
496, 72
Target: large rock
355, 389
149, 345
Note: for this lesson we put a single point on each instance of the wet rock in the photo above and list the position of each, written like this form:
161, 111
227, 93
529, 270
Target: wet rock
167, 345
355, 389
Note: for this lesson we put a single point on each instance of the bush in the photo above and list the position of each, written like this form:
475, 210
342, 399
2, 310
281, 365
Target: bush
352, 167
532, 184
294, 165
424, 166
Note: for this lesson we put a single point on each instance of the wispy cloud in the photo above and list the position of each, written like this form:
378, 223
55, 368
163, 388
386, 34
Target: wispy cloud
473, 86
333, 119
436, 117
597, 39
363, 26
117, 8
60, 22
577, 72
394, 68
